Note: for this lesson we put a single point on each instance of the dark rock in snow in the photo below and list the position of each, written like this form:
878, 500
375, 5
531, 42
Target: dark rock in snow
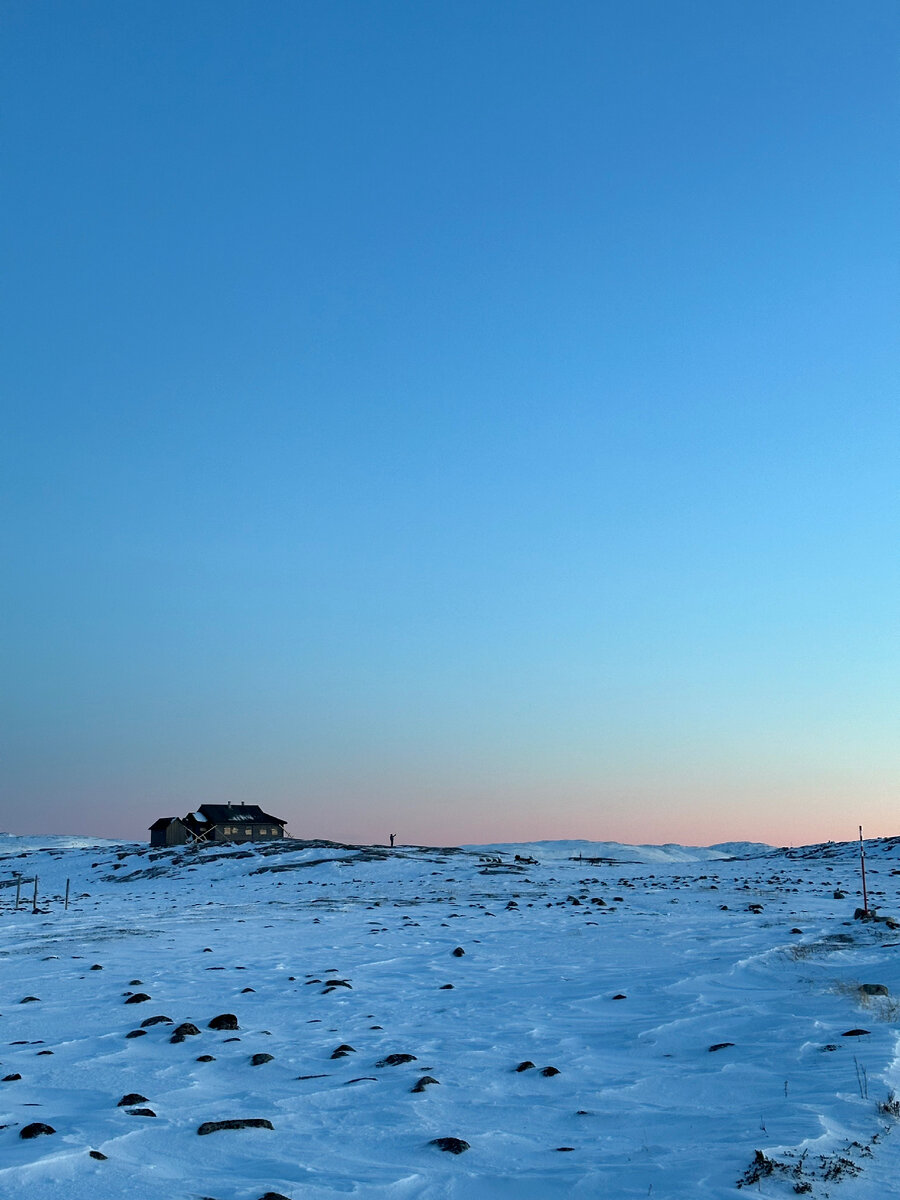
243, 1123
35, 1129
205, 1058
247, 989
274, 1196
451, 1145
342, 1051
31, 1000
874, 989
421, 1084
98, 1154
395, 1060
855, 1033
130, 1099
140, 1112
549, 1072
259, 1059
156, 1021
458, 953
446, 987
224, 1021
183, 1031
11, 1078
527, 1065
720, 1046
97, 967
137, 1033
137, 998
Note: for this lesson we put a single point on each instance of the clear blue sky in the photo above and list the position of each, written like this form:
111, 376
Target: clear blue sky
472, 420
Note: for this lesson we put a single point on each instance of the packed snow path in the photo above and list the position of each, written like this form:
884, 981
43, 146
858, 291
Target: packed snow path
680, 1016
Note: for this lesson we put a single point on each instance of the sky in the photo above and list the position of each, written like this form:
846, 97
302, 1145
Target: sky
476, 421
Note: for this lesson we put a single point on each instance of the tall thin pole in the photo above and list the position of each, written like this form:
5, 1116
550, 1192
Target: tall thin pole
862, 867
18, 890
34, 903
67, 895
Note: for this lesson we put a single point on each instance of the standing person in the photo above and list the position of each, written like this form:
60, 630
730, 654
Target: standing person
393, 835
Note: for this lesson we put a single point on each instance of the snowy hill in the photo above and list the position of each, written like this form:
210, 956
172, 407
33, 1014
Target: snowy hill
624, 1029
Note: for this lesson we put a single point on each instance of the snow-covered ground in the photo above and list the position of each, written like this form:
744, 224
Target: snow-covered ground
697, 1009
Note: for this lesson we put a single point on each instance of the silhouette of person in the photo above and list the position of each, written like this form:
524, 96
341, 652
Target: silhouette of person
393, 835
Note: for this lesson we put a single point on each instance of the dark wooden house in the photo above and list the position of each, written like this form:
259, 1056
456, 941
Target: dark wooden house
217, 823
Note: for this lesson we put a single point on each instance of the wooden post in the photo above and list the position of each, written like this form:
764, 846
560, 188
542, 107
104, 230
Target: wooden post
862, 867
67, 895
34, 903
18, 890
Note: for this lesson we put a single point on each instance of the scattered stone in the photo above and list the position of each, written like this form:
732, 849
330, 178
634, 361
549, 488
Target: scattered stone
135, 982
183, 1031
130, 1099
243, 1123
325, 1076
527, 1065
620, 996
274, 1196
549, 1072
100, 1157
342, 1051
796, 930
247, 989
451, 1145
839, 895
31, 1000
141, 1112
563, 1149
446, 987
35, 1129
874, 989
457, 953
137, 998
11, 1078
97, 967
258, 1059
719, 1046
855, 1033
360, 1079
136, 1033
224, 1021
394, 1060
40, 1052
156, 1021
421, 1084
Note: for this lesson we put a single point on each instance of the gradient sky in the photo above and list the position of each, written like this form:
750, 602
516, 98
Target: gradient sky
471, 420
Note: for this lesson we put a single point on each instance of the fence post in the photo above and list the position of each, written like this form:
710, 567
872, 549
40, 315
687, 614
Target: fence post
18, 890
34, 903
67, 895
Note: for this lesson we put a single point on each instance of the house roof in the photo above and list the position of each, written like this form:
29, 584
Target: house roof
235, 814
163, 823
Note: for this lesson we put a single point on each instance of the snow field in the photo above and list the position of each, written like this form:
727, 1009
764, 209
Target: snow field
640, 1107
